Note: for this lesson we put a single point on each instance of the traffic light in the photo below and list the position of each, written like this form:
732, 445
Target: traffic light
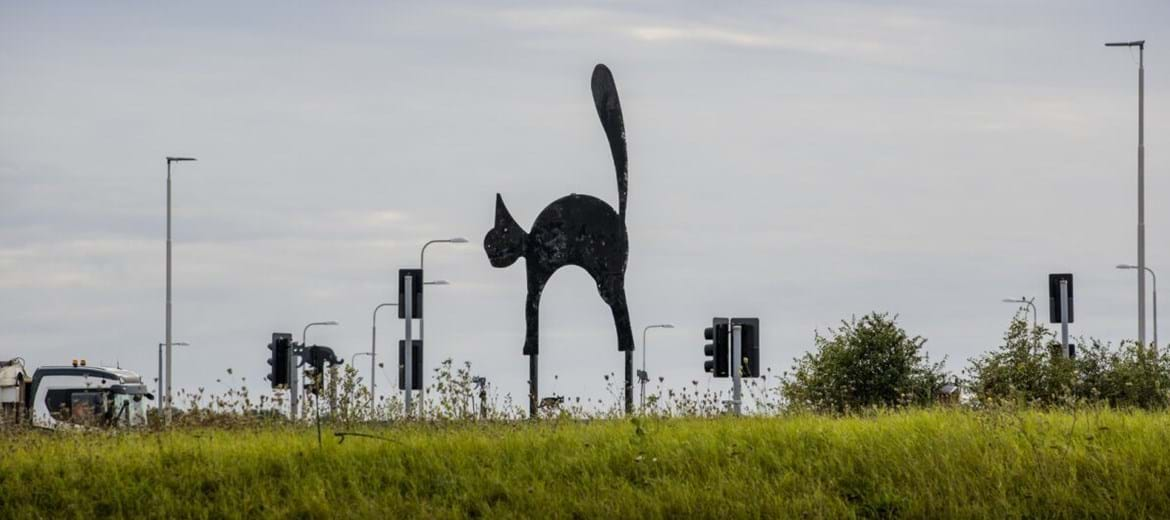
1054, 302
280, 359
416, 375
316, 356
750, 347
718, 350
416, 286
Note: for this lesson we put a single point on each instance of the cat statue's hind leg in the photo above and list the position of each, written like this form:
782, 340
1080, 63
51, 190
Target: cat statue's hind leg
613, 292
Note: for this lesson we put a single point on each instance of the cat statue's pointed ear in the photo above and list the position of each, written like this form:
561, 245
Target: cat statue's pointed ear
503, 217
504, 244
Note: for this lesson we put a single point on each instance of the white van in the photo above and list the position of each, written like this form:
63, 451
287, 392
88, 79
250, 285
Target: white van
79, 396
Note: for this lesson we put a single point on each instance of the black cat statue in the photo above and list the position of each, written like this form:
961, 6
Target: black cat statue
575, 230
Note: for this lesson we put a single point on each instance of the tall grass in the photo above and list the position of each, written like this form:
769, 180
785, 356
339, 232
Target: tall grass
926, 463
451, 395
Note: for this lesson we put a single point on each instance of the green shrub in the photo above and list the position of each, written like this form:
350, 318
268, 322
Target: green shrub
1024, 368
1131, 375
1031, 368
862, 364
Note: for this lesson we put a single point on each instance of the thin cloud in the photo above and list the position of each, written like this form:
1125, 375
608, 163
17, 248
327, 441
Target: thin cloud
847, 31
735, 38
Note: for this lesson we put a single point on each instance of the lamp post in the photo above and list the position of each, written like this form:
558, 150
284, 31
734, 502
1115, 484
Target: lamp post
353, 358
1025, 301
1141, 184
293, 384
160, 370
169, 343
374, 343
305, 332
374, 354
644, 377
422, 402
1154, 278
422, 257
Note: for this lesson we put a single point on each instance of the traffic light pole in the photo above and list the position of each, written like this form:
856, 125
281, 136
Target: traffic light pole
292, 381
1064, 319
736, 368
408, 370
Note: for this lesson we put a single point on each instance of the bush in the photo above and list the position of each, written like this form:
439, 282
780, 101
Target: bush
1031, 368
866, 363
1024, 368
1130, 376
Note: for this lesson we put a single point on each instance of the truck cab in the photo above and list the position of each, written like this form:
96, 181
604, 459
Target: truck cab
14, 382
64, 397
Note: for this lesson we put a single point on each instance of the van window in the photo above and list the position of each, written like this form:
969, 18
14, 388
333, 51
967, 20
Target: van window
76, 406
59, 403
88, 407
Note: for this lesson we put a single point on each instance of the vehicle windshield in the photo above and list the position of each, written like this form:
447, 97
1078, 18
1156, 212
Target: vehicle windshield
128, 410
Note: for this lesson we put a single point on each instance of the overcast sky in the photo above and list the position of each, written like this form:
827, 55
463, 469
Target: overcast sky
802, 162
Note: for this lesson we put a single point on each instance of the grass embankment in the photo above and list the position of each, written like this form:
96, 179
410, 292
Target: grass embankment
937, 464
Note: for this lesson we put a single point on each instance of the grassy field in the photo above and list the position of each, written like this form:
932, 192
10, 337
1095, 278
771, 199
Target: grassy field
937, 464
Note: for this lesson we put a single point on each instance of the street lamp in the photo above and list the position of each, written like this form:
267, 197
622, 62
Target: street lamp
644, 377
374, 353
305, 332
169, 343
353, 358
160, 369
1141, 185
293, 380
1155, 280
422, 257
1025, 301
374, 343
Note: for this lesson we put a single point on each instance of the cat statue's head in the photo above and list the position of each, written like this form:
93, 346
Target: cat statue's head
504, 244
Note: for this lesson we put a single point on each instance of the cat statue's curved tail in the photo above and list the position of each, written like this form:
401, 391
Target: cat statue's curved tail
609, 109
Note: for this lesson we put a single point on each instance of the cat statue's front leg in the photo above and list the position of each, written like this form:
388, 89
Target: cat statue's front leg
537, 278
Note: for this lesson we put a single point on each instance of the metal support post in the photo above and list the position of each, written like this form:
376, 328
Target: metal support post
736, 368
408, 370
629, 391
374, 358
533, 388
482, 398
293, 386
1141, 204
167, 396
373, 366
1155, 317
642, 391
1064, 320
161, 396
